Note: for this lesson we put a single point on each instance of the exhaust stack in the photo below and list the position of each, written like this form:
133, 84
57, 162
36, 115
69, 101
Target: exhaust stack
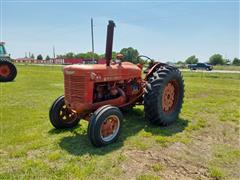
109, 42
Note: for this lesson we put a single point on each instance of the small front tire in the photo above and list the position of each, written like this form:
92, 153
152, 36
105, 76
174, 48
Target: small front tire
60, 116
105, 126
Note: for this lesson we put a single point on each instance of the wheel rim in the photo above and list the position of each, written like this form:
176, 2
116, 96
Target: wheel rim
5, 70
170, 96
67, 115
109, 128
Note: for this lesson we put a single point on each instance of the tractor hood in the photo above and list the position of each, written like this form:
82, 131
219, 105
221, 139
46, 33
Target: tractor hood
102, 73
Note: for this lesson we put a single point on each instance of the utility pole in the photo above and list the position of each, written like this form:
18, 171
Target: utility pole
53, 52
92, 39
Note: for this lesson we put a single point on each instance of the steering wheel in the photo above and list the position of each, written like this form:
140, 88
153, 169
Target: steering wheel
148, 58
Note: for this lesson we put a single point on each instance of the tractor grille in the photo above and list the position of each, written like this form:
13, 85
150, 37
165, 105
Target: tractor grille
74, 88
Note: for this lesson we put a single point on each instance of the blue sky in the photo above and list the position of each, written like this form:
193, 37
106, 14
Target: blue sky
167, 31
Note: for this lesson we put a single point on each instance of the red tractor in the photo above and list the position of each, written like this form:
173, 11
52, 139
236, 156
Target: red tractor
98, 93
8, 71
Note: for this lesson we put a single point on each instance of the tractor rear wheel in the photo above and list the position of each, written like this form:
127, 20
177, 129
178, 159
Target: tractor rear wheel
163, 97
105, 125
62, 117
8, 71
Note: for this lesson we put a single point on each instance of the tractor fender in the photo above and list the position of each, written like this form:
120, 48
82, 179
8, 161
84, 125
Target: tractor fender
154, 68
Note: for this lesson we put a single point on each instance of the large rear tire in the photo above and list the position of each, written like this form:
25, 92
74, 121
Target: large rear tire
163, 97
8, 71
105, 126
60, 116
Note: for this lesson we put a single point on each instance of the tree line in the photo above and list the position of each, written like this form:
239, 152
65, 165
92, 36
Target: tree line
39, 57
130, 54
216, 59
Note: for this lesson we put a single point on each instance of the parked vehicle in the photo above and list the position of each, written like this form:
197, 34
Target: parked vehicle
200, 66
8, 70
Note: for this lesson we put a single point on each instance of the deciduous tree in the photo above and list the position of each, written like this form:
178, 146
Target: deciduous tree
236, 62
39, 57
191, 60
216, 59
47, 57
130, 54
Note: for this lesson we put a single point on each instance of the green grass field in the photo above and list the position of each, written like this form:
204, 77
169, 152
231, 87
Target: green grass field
203, 143
228, 68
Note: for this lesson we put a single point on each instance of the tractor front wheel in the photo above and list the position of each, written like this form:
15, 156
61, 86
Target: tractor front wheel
8, 71
164, 96
61, 116
105, 125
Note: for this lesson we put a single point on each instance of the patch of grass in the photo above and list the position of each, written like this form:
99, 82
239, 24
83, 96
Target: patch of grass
225, 162
227, 154
54, 156
165, 141
148, 177
145, 133
139, 144
201, 123
228, 68
157, 167
216, 173
17, 154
